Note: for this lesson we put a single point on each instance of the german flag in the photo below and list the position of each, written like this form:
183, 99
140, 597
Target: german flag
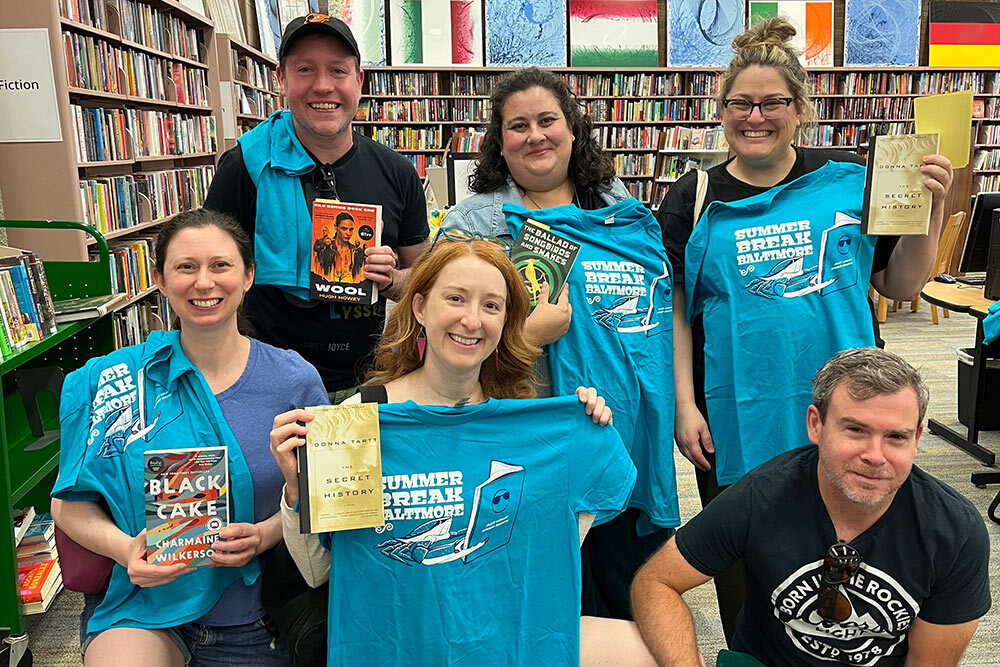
964, 34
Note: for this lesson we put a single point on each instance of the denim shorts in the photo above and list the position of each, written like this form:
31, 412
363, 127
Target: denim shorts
251, 645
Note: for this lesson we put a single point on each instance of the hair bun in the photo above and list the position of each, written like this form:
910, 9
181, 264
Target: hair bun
775, 32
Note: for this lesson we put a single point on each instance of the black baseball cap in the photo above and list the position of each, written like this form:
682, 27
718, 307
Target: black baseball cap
312, 24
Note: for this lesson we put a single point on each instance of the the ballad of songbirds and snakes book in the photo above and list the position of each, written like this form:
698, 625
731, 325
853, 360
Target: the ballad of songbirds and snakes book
542, 256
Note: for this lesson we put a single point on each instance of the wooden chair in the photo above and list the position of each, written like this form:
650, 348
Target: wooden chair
946, 248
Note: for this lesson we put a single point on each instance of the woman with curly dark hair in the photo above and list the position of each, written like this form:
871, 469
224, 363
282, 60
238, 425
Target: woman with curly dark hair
539, 152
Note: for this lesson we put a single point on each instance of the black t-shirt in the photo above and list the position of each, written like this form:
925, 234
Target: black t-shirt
337, 339
677, 210
926, 557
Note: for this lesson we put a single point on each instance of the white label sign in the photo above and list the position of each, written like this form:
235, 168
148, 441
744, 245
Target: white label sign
28, 107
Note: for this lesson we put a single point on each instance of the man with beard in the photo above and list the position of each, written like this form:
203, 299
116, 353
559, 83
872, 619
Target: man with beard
853, 554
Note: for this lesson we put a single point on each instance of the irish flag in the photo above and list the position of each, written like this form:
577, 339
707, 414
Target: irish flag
436, 32
964, 34
613, 33
813, 21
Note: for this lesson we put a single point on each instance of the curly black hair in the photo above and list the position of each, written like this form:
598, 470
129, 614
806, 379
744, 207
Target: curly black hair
589, 165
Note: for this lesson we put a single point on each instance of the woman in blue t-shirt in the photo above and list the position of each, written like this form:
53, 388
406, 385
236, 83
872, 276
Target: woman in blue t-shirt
456, 337
204, 385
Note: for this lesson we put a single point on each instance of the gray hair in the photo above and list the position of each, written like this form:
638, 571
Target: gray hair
867, 372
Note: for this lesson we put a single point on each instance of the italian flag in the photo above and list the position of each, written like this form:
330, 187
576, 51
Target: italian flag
964, 34
432, 32
813, 21
613, 33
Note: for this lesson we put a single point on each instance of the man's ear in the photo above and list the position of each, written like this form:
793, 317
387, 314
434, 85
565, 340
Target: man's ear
814, 424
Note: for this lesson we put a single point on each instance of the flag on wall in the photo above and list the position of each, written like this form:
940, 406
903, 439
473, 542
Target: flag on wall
964, 34
432, 32
613, 33
813, 22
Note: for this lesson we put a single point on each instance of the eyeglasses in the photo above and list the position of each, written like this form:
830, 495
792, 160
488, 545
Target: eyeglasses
465, 236
840, 564
325, 180
772, 108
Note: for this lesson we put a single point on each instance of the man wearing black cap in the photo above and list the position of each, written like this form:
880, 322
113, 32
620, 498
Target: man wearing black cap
270, 179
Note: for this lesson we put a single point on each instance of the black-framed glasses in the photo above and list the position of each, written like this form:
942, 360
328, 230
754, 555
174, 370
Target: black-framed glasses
772, 108
325, 180
465, 236
839, 565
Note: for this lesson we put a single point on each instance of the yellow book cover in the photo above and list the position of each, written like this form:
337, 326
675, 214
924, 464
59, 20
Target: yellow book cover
896, 200
340, 470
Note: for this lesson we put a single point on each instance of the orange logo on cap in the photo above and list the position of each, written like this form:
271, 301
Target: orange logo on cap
317, 18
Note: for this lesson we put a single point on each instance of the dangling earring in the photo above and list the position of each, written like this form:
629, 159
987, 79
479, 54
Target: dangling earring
421, 342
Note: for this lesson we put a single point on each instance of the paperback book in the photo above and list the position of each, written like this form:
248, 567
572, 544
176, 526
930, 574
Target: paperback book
896, 200
187, 503
543, 257
340, 470
341, 233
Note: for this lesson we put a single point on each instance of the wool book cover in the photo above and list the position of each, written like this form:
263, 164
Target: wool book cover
340, 234
542, 256
187, 503
340, 469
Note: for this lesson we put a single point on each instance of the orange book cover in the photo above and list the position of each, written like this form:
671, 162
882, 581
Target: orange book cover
32, 578
341, 232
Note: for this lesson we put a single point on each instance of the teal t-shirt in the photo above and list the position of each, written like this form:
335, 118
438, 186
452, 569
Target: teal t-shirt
781, 279
479, 559
621, 338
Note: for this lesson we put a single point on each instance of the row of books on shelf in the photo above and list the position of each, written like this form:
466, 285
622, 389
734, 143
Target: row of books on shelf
466, 140
640, 136
987, 183
421, 161
253, 72
989, 134
888, 108
93, 63
133, 325
474, 84
26, 309
402, 83
935, 83
671, 167
850, 136
986, 159
104, 134
114, 203
131, 264
144, 24
634, 164
256, 103
39, 577
660, 190
692, 139
637, 111
471, 110
641, 190
404, 110
408, 138
88, 12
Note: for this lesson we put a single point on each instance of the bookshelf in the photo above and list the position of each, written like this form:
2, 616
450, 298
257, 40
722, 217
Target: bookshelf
417, 110
248, 87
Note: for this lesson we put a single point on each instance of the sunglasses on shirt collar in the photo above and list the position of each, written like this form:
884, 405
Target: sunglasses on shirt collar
325, 181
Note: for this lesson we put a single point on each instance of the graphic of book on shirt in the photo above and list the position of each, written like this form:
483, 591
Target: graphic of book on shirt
494, 509
837, 252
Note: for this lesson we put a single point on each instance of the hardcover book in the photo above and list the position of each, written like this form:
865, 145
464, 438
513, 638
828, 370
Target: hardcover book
86, 307
38, 581
340, 470
542, 256
341, 233
494, 510
896, 200
187, 503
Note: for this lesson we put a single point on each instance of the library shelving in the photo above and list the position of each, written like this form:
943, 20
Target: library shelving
248, 85
417, 110
29, 455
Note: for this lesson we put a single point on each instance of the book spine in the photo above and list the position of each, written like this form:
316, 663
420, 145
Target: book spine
45, 295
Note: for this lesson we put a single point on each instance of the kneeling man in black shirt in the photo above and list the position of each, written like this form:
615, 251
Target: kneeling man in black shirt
853, 554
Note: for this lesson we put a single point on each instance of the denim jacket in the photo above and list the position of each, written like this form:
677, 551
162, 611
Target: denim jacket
483, 213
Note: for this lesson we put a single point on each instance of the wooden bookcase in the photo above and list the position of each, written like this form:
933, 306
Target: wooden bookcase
248, 87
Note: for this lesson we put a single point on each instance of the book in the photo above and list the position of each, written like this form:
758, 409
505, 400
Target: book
896, 200
340, 469
36, 580
341, 233
22, 521
41, 529
187, 503
494, 510
542, 256
86, 307
22, 292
